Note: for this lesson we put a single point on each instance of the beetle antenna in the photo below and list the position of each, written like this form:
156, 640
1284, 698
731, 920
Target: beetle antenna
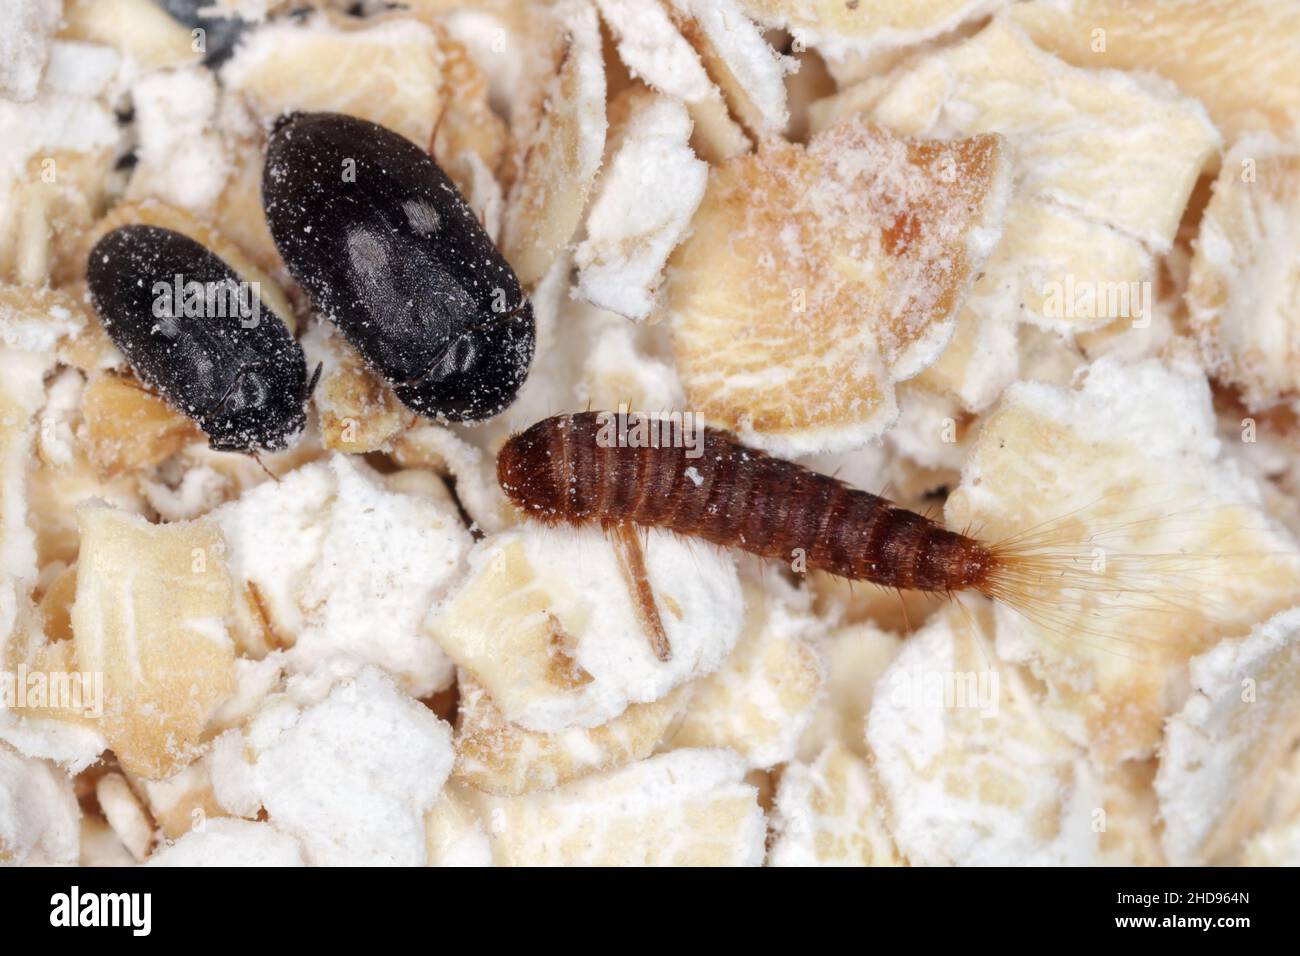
261, 464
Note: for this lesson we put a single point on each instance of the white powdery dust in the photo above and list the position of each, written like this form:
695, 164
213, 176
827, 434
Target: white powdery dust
687, 807
39, 817
757, 69
655, 50
347, 569
869, 184
350, 774
55, 439
182, 159
1217, 748
53, 123
1161, 410
25, 30
643, 206
932, 755
29, 333
223, 842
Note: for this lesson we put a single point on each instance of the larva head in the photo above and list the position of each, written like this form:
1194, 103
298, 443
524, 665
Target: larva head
527, 474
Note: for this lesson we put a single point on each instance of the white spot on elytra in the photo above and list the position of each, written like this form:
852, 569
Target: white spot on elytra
423, 217
367, 253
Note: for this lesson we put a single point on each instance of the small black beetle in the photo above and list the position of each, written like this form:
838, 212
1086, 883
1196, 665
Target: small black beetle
200, 336
388, 249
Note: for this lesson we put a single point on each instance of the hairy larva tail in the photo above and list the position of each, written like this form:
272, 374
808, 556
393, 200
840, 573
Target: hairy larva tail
1080, 576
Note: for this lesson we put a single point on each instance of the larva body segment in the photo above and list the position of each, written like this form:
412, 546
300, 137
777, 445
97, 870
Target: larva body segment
563, 470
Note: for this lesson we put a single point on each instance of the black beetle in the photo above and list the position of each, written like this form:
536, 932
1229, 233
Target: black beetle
388, 249
197, 334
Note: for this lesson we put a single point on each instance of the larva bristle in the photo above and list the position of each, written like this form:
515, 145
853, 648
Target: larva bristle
1077, 577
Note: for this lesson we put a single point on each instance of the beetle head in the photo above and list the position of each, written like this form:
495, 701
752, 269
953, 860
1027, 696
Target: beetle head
264, 408
480, 372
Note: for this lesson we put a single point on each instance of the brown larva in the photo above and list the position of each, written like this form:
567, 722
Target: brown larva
560, 471
557, 471
563, 470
